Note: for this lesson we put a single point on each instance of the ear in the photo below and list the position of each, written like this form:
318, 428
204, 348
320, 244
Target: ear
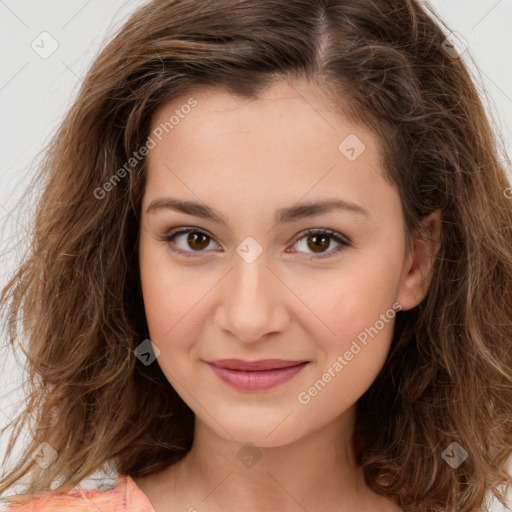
419, 262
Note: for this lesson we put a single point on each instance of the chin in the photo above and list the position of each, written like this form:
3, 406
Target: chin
265, 430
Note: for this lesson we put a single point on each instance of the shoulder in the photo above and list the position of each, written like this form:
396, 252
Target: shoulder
125, 496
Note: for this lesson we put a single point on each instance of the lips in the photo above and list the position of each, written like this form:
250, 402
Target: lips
255, 375
262, 364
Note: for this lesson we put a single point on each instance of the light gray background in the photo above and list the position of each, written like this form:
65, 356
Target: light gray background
35, 93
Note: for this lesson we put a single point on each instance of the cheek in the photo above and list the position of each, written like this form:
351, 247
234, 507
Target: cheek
362, 318
171, 306
352, 303
153, 283
168, 304
173, 298
164, 292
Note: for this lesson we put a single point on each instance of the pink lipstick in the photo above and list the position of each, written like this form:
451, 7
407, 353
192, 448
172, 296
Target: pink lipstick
255, 375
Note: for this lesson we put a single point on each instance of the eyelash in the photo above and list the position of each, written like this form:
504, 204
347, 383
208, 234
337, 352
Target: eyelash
343, 241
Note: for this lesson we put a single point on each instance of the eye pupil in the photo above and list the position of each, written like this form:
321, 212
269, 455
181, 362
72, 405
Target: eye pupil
193, 239
315, 246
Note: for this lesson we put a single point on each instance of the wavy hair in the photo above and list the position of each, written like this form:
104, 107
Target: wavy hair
75, 298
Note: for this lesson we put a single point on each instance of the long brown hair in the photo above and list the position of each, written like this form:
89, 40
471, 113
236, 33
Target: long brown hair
76, 297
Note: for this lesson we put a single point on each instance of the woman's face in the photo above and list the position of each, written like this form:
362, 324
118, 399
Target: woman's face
248, 283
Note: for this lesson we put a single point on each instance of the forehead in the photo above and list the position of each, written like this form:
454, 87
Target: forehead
283, 103
286, 144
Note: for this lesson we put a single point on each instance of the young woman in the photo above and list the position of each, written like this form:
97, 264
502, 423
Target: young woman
271, 269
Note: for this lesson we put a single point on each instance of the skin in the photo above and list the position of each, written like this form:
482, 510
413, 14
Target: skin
246, 159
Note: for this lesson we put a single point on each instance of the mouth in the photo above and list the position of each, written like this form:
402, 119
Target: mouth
256, 375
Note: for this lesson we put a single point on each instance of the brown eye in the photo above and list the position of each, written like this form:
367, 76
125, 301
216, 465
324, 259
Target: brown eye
192, 242
188, 241
197, 241
318, 241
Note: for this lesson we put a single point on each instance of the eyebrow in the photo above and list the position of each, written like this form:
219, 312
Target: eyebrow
284, 215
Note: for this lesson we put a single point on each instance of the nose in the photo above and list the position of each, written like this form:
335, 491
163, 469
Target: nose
253, 301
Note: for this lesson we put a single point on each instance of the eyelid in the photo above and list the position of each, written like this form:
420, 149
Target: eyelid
339, 238
343, 242
184, 230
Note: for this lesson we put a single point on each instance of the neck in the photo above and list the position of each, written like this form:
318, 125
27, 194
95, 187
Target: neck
316, 472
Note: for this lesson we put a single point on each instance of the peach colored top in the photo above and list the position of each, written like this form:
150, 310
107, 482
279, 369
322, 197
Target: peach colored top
124, 497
